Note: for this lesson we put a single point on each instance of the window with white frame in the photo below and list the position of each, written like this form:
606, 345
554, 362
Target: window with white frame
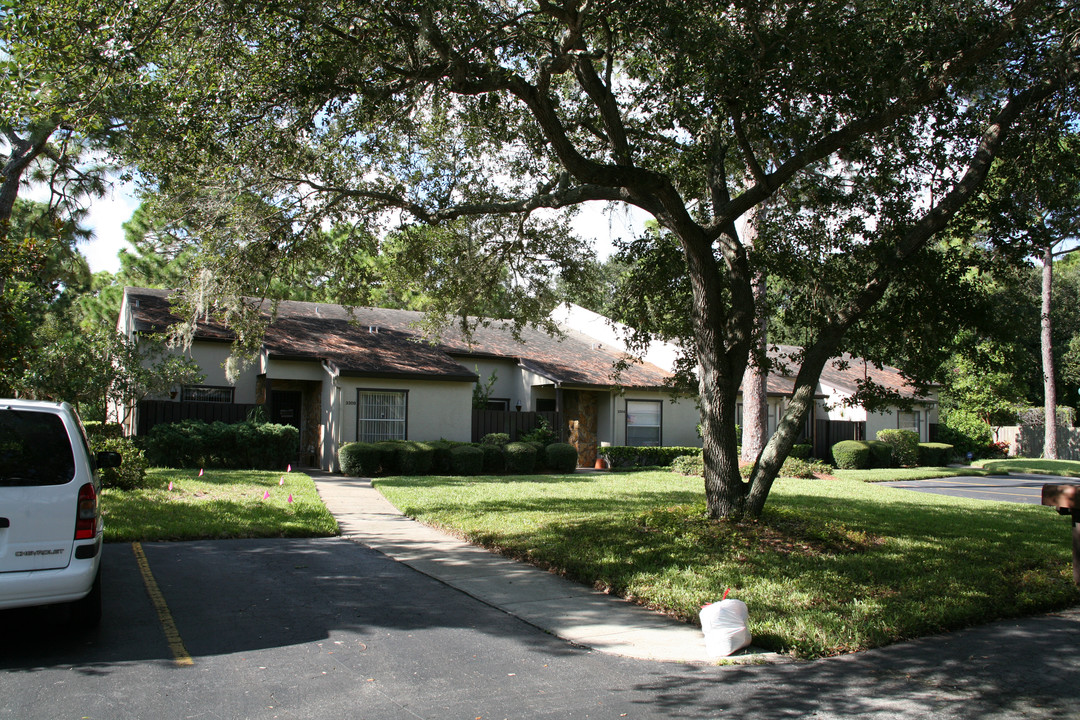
381, 415
910, 421
643, 423
207, 393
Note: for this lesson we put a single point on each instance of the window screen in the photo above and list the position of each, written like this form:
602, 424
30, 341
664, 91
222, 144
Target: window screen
643, 423
381, 415
34, 449
207, 393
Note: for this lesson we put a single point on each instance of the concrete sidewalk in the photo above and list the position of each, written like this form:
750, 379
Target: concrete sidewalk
567, 610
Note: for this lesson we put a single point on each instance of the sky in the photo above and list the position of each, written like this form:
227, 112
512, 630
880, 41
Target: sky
108, 214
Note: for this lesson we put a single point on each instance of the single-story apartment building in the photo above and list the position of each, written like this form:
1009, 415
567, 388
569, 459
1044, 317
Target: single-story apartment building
367, 374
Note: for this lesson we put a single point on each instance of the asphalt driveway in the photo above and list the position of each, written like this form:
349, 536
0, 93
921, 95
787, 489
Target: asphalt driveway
1016, 488
328, 628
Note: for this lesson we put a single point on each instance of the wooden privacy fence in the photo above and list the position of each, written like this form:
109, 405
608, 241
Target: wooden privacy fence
155, 412
1027, 440
514, 424
829, 432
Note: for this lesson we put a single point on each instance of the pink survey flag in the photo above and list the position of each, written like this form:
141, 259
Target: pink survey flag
290, 497
282, 480
266, 495
289, 468
170, 485
200, 472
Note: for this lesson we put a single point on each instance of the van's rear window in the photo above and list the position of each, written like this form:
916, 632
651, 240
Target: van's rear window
34, 449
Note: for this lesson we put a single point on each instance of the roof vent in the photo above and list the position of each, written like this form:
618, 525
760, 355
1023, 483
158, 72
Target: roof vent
316, 309
373, 329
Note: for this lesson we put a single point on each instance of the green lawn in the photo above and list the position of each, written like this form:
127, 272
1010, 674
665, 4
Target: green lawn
1065, 468
915, 473
834, 566
220, 504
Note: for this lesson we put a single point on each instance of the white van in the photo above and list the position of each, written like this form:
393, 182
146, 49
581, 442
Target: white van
50, 524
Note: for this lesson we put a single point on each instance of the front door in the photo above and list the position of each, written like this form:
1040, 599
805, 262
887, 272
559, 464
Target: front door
285, 407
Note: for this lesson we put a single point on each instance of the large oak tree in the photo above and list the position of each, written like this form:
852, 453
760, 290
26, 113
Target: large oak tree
874, 122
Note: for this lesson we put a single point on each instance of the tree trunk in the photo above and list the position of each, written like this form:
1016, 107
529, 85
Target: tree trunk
1049, 383
755, 414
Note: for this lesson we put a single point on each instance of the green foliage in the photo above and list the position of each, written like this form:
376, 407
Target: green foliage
689, 465
624, 456
466, 460
482, 392
359, 459
194, 443
520, 458
498, 439
935, 454
905, 446
414, 458
542, 433
801, 451
561, 457
851, 454
494, 458
131, 475
965, 431
881, 454
440, 457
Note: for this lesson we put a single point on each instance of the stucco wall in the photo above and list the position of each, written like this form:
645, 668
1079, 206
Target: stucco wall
508, 384
435, 409
678, 423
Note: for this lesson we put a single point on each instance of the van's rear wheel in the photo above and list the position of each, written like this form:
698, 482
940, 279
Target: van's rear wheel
86, 613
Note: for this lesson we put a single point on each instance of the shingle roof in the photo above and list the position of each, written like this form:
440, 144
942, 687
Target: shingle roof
843, 373
385, 342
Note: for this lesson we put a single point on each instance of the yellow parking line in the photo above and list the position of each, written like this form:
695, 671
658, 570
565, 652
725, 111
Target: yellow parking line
172, 635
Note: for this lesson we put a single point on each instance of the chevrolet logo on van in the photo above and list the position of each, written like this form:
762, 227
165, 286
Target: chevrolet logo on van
29, 553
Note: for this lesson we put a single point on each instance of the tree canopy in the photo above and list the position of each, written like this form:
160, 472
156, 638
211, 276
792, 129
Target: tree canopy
867, 126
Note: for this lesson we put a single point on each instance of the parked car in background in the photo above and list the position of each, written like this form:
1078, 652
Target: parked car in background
50, 522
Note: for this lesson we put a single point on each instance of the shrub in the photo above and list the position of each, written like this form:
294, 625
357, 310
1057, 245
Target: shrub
389, 461
851, 454
623, 456
689, 465
131, 475
561, 457
466, 460
542, 434
440, 457
494, 458
520, 458
801, 451
881, 454
244, 445
359, 459
905, 445
541, 456
499, 439
415, 458
96, 428
935, 454
965, 431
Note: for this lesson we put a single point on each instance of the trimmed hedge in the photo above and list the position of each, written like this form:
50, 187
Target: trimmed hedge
935, 454
359, 459
466, 460
520, 458
239, 446
561, 457
881, 454
500, 439
624, 456
494, 458
905, 445
689, 465
851, 454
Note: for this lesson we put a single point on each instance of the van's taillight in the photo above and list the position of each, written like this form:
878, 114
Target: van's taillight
86, 517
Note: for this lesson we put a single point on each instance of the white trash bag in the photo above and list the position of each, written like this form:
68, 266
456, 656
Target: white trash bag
724, 625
